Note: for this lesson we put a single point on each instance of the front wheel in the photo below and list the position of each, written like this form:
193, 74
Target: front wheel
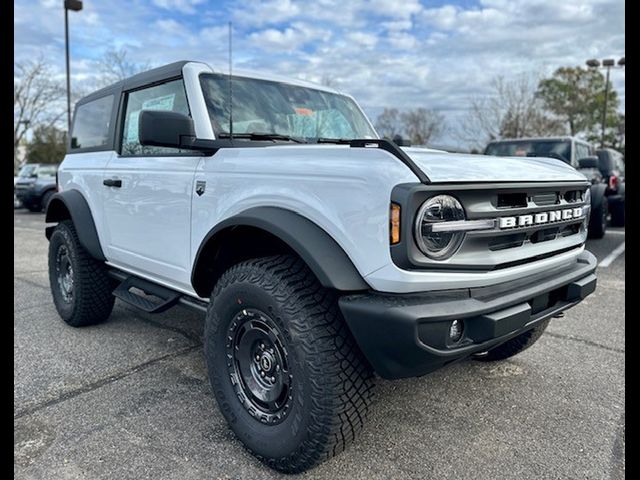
285, 369
80, 286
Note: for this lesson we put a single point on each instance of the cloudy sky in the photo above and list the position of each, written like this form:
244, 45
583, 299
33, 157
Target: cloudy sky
396, 53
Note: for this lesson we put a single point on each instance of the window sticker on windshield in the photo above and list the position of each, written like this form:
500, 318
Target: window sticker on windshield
159, 103
303, 111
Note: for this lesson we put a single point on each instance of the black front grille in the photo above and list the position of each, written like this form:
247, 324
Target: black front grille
546, 198
512, 200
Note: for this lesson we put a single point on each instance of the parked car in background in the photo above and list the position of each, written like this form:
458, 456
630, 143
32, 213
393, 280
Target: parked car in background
611, 166
16, 203
574, 151
35, 185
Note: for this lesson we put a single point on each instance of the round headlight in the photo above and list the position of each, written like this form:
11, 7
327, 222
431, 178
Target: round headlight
438, 245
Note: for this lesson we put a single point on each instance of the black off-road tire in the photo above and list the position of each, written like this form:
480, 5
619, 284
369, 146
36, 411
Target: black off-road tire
89, 300
617, 214
515, 345
598, 220
331, 382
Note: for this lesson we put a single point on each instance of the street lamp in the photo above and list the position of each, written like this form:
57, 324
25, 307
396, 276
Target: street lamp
608, 64
76, 6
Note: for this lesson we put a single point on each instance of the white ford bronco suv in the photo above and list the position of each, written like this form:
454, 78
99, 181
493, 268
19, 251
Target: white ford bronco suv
318, 252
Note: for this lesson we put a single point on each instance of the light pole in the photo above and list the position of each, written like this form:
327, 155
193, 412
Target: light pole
608, 63
76, 6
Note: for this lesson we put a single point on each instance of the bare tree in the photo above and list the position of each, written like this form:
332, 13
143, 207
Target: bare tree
329, 80
388, 123
422, 125
513, 110
114, 66
37, 100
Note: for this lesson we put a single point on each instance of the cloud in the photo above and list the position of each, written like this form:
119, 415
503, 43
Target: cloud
290, 38
367, 40
187, 7
384, 52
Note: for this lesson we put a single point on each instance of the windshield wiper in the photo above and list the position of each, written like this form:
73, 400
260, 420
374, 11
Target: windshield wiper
263, 136
334, 140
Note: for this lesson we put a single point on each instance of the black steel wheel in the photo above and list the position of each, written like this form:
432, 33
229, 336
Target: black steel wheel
64, 273
258, 365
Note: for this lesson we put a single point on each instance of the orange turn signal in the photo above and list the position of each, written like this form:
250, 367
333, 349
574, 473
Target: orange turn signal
394, 223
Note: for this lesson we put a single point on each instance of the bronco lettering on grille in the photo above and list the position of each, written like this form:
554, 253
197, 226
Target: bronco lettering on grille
541, 218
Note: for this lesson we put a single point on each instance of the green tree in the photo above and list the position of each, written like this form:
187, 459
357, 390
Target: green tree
48, 145
576, 95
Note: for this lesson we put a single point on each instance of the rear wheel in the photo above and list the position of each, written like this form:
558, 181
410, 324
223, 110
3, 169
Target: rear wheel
598, 220
80, 285
285, 370
515, 345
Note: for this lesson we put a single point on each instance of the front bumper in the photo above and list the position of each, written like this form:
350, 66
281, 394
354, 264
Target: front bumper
406, 335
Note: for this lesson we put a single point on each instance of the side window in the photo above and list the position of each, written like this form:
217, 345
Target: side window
91, 124
582, 151
169, 96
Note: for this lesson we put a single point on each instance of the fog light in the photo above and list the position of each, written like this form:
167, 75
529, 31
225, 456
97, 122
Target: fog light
455, 330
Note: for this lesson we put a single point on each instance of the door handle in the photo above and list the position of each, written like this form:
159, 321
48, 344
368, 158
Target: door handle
112, 182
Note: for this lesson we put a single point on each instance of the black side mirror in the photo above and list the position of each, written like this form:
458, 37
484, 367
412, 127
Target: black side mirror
589, 162
160, 128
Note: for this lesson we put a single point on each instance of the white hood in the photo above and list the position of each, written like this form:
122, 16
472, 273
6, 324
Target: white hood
454, 167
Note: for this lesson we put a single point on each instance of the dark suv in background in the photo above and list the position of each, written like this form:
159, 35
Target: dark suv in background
574, 151
611, 166
35, 185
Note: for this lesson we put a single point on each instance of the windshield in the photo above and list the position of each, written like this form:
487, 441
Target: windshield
261, 106
531, 148
27, 170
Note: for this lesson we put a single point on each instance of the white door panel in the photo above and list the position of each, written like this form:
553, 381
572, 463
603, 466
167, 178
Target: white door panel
149, 217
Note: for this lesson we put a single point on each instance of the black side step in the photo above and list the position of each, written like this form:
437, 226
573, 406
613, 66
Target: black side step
164, 297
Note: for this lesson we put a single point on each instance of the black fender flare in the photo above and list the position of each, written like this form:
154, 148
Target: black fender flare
72, 204
322, 254
597, 194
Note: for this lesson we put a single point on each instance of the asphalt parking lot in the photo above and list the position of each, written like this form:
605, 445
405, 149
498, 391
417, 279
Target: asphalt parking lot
129, 399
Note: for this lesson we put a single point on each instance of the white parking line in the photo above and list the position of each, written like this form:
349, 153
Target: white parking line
606, 261
616, 232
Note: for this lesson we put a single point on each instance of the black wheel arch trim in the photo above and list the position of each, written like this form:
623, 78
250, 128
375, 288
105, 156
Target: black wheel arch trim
322, 254
73, 202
